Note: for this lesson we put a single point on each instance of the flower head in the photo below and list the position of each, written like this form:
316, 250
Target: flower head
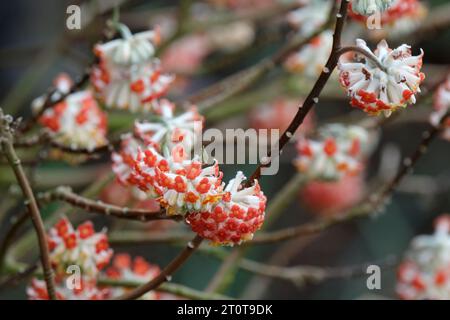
75, 122
181, 184
127, 75
403, 16
238, 215
425, 271
369, 7
441, 107
376, 90
338, 151
81, 246
138, 270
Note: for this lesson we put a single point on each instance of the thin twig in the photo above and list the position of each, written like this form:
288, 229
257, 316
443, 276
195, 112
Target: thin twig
33, 209
166, 273
313, 96
96, 206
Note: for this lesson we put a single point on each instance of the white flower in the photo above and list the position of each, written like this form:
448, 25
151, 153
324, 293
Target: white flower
425, 273
369, 7
375, 90
312, 58
338, 151
131, 49
77, 121
312, 14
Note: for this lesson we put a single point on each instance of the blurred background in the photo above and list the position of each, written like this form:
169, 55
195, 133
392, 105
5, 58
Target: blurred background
216, 39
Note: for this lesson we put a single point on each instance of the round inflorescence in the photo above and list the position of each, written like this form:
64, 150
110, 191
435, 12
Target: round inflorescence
81, 246
128, 76
76, 122
425, 272
375, 90
339, 151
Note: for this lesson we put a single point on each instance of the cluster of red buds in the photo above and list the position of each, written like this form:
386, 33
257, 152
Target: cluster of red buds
89, 251
339, 151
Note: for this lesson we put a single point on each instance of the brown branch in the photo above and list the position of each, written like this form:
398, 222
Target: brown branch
313, 96
96, 206
166, 273
33, 209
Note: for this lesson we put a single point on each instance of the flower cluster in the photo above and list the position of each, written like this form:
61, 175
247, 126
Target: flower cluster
338, 151
375, 90
138, 270
88, 250
425, 271
312, 58
77, 121
235, 218
128, 76
81, 246
403, 16
442, 106
186, 187
369, 7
